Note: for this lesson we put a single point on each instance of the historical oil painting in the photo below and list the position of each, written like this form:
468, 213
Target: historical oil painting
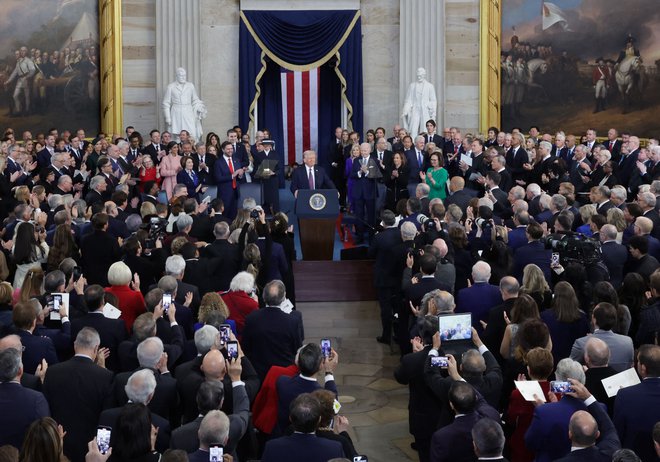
49, 65
577, 64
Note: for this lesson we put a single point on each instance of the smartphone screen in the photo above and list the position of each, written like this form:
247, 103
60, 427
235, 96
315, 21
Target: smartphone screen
561, 387
326, 347
215, 453
554, 259
439, 361
57, 302
167, 301
224, 333
232, 350
103, 439
360, 459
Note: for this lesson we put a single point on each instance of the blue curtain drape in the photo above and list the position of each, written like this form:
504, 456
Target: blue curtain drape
300, 40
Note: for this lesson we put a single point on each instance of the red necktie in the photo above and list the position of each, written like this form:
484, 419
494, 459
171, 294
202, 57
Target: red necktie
611, 145
231, 170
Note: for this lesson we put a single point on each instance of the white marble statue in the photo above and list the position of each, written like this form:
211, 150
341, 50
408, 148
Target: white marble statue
182, 108
420, 104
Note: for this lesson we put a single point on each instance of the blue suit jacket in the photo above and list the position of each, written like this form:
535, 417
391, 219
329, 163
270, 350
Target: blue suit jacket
20, 407
517, 238
191, 184
277, 266
547, 435
299, 179
478, 300
223, 179
614, 257
532, 252
288, 388
363, 188
36, 349
411, 158
636, 410
301, 448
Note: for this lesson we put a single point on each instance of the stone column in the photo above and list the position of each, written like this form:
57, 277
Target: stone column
422, 44
177, 45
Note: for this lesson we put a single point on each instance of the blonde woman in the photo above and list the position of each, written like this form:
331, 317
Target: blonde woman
616, 217
535, 285
586, 212
211, 303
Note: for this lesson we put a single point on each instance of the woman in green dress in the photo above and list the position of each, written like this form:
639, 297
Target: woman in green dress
436, 177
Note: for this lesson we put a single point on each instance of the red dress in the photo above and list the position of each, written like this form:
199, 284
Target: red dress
131, 304
148, 174
519, 416
240, 305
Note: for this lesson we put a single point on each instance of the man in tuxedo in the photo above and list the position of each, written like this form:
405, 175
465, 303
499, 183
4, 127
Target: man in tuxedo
488, 440
20, 406
77, 391
226, 252
386, 274
364, 191
303, 444
454, 441
228, 174
36, 348
614, 254
592, 433
310, 176
154, 149
637, 408
111, 331
271, 336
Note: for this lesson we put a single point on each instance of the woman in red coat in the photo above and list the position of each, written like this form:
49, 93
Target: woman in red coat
518, 416
131, 301
241, 299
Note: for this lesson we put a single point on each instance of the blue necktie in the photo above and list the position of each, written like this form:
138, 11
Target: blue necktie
419, 159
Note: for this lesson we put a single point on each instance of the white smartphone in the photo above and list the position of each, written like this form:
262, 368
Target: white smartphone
103, 438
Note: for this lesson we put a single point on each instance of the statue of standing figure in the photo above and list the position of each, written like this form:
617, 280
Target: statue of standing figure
182, 108
420, 104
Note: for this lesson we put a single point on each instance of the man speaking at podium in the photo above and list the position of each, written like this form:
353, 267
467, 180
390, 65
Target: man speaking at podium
310, 175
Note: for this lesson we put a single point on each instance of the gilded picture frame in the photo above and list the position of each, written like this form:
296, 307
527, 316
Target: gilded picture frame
490, 32
111, 66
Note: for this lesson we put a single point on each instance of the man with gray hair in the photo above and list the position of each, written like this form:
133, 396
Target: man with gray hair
214, 429
140, 389
88, 388
614, 254
97, 189
271, 336
547, 435
152, 358
175, 266
227, 252
597, 359
20, 406
488, 440
496, 325
647, 202
479, 297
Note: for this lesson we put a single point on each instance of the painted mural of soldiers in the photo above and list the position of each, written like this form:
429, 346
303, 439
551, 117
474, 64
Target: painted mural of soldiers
22, 74
600, 79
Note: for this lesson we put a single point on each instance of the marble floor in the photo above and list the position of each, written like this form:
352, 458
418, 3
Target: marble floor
375, 404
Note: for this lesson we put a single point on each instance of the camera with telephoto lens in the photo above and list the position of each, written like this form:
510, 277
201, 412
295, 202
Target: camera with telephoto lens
254, 214
156, 229
574, 247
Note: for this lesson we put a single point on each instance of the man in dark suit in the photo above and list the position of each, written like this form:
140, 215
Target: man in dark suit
478, 167
36, 348
44, 156
203, 164
111, 331
458, 194
240, 153
532, 252
165, 400
310, 175
226, 252
228, 174
597, 358
517, 160
271, 336
416, 161
423, 406
517, 235
628, 162
154, 149
577, 173
496, 324
140, 389
269, 180
99, 250
480, 297
97, 189
614, 254
20, 406
454, 441
310, 361
498, 164
592, 433
214, 429
500, 199
364, 191
601, 196
386, 278
303, 445
77, 391
431, 135
613, 144
336, 163
637, 408
488, 440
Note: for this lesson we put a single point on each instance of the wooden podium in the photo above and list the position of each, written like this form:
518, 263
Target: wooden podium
317, 211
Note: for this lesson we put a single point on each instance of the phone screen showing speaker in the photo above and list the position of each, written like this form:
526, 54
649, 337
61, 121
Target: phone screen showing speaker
215, 453
167, 301
232, 350
103, 439
326, 347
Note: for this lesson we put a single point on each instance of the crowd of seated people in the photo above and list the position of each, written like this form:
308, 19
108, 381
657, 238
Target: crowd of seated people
130, 301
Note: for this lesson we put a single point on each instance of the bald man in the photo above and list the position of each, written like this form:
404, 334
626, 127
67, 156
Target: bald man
458, 194
597, 358
214, 366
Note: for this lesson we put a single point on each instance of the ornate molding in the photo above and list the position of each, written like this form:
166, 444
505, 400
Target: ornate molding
110, 71
489, 64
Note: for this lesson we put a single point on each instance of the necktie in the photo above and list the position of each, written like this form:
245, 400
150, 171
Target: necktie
419, 158
622, 159
190, 174
231, 170
455, 149
380, 156
611, 145
310, 177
